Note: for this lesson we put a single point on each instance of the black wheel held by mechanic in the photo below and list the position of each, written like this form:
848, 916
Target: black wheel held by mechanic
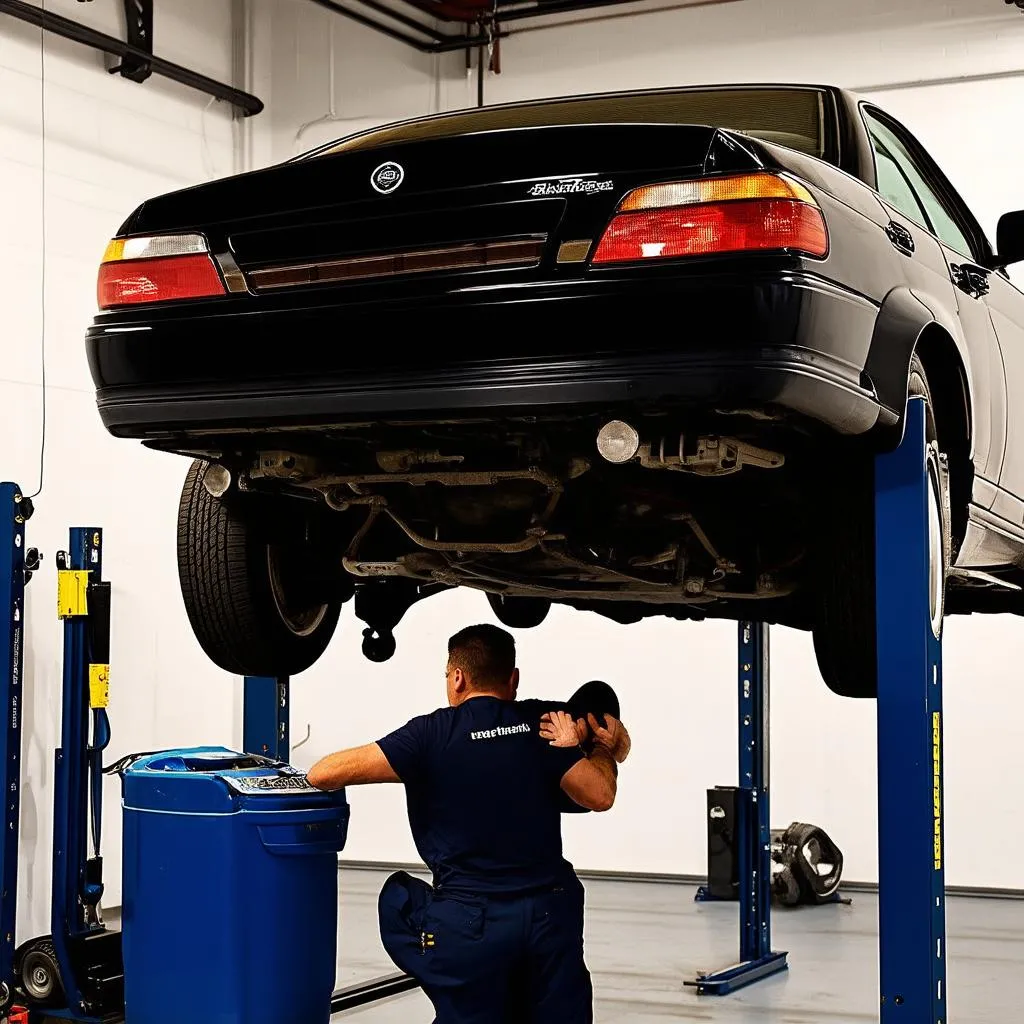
499, 936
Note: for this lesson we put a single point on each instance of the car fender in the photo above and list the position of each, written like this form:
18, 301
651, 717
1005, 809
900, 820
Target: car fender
903, 317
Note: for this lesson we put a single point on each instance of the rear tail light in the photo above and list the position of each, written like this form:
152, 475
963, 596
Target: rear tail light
159, 268
739, 213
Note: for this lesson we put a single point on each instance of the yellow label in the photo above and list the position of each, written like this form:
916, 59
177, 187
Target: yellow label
72, 587
99, 686
937, 786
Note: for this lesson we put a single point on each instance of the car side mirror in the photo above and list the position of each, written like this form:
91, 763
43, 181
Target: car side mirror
1010, 239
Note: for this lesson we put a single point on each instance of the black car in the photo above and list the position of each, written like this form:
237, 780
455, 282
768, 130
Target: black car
632, 353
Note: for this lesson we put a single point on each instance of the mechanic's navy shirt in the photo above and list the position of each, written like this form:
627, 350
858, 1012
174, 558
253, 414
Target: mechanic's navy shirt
483, 791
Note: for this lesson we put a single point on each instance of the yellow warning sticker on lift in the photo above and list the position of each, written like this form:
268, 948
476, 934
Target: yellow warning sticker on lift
99, 686
937, 787
72, 586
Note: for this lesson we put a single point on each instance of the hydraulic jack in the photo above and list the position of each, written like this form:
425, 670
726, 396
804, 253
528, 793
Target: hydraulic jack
75, 972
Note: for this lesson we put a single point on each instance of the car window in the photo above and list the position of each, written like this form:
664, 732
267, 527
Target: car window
790, 116
938, 216
893, 186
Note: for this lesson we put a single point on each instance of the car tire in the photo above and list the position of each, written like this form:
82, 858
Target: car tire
255, 597
844, 629
519, 612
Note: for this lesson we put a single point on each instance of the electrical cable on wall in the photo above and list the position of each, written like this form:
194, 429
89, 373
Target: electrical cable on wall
42, 260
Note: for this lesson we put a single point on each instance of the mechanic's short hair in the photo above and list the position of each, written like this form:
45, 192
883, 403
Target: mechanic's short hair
485, 653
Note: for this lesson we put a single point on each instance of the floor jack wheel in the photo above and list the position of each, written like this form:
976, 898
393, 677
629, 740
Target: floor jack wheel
40, 974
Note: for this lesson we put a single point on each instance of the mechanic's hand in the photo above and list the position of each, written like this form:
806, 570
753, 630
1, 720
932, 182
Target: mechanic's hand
611, 735
558, 728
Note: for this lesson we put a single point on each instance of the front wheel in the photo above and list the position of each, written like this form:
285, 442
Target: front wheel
844, 628
262, 598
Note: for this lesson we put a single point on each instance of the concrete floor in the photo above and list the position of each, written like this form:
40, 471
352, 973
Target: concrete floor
644, 939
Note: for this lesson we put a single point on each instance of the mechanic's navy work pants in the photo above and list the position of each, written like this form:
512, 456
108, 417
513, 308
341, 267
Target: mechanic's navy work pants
491, 961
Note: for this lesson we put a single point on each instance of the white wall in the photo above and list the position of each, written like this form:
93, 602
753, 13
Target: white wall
677, 680
109, 144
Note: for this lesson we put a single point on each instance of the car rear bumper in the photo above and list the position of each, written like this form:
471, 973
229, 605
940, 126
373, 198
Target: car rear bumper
796, 342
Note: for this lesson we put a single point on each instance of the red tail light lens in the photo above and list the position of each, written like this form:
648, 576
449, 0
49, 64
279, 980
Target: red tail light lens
744, 213
163, 268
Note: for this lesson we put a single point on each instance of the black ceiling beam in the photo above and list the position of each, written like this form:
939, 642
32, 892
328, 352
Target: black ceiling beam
78, 33
437, 42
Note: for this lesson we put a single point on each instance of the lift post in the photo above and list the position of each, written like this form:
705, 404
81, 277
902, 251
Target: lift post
265, 718
911, 873
14, 510
757, 959
87, 955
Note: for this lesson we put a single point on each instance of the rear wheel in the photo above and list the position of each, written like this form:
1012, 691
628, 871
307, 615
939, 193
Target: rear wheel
844, 631
263, 595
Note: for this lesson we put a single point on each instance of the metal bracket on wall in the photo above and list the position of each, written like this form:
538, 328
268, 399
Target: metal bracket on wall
133, 57
139, 27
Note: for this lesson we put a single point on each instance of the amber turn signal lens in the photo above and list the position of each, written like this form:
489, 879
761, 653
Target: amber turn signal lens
147, 247
761, 185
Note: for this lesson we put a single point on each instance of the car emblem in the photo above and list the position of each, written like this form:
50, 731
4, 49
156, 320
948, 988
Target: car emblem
570, 186
387, 177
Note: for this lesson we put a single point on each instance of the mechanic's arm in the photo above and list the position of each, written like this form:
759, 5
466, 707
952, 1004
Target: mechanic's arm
591, 782
355, 767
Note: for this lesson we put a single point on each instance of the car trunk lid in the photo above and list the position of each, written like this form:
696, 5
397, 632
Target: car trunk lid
499, 200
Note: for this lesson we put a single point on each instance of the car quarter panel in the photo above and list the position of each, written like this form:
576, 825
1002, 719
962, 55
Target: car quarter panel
1006, 304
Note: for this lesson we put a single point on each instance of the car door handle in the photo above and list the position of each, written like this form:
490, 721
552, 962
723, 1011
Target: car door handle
901, 238
970, 279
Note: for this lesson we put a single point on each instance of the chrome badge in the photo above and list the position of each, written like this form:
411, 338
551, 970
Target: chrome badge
570, 186
387, 177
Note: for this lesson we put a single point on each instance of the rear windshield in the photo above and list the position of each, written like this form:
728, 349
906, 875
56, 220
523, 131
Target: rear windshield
791, 117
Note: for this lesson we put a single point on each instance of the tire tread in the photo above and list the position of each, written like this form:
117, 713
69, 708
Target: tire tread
226, 590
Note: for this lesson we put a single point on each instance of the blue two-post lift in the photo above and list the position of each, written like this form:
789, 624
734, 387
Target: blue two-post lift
911, 910
911, 915
912, 945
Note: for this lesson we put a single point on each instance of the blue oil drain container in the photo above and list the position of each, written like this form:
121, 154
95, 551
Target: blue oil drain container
230, 890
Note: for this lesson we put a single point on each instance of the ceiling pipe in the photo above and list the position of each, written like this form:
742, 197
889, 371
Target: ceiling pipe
442, 42
390, 12
432, 34
534, 9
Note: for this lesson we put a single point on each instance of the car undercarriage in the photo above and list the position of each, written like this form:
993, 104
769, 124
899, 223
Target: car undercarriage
659, 515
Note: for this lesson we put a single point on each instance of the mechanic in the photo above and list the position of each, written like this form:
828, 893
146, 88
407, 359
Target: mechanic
501, 930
